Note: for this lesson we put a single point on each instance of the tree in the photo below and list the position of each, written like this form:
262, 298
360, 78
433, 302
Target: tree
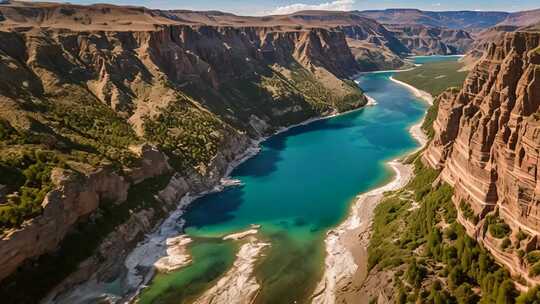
465, 295
456, 277
416, 274
530, 297
434, 243
506, 293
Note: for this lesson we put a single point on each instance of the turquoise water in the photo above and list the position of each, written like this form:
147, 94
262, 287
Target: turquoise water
300, 185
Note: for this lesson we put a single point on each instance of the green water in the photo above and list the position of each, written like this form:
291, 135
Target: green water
298, 187
211, 258
428, 59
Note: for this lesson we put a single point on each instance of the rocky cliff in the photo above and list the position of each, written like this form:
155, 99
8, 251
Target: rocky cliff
486, 143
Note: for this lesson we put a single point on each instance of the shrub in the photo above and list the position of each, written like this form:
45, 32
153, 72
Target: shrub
453, 253
535, 270
416, 274
530, 297
521, 235
497, 227
465, 295
468, 212
506, 243
533, 256
28, 177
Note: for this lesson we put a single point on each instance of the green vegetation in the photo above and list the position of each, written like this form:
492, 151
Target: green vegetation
29, 174
54, 134
323, 98
468, 212
48, 270
533, 256
535, 270
429, 119
521, 235
497, 227
188, 135
433, 258
92, 128
530, 297
434, 77
431, 116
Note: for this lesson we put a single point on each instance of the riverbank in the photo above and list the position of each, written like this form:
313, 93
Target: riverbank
151, 250
346, 245
417, 92
346, 260
239, 285
141, 261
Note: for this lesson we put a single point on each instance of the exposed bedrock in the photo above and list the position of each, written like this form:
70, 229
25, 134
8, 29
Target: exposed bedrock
487, 143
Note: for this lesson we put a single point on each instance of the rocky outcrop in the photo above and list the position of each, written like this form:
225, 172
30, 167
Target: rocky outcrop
108, 262
487, 138
75, 197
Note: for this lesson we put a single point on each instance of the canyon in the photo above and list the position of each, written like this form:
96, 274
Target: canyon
486, 143
100, 104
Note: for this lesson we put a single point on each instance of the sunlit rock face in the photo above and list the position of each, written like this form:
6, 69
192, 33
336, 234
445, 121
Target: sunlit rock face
487, 143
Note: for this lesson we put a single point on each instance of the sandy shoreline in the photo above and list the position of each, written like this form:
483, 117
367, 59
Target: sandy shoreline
418, 93
346, 245
239, 284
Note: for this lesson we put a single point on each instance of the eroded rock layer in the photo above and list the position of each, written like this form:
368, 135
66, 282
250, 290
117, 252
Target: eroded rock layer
487, 143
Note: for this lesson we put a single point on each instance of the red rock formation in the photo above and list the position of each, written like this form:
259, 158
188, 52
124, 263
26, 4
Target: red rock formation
487, 142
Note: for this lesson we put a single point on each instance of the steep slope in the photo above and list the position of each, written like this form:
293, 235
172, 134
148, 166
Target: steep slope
373, 45
486, 143
519, 21
98, 114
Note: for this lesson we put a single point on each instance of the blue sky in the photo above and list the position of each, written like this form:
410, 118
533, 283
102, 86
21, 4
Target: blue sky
259, 7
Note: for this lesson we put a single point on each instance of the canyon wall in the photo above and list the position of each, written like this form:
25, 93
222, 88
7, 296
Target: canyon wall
487, 141
120, 106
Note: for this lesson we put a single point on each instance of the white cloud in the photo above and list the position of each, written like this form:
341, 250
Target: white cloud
337, 5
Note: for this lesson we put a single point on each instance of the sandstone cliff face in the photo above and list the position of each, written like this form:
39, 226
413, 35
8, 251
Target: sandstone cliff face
125, 70
486, 142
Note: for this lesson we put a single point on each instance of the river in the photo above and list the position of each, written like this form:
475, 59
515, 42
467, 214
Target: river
299, 186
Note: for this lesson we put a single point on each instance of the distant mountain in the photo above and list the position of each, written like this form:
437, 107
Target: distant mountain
526, 21
521, 19
467, 20
431, 40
